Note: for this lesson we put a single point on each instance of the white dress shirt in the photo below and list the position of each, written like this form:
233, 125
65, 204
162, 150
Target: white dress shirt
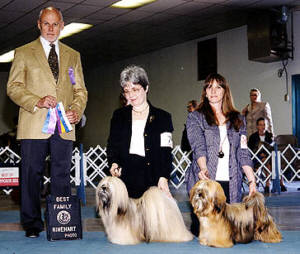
223, 163
47, 47
137, 143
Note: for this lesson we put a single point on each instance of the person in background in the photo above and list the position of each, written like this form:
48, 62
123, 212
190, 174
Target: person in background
185, 145
258, 138
217, 134
139, 148
255, 110
39, 79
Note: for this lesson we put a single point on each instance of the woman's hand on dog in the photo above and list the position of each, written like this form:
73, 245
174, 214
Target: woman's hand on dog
252, 188
251, 178
163, 185
115, 170
203, 174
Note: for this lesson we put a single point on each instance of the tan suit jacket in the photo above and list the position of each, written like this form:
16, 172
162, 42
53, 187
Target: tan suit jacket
262, 109
31, 79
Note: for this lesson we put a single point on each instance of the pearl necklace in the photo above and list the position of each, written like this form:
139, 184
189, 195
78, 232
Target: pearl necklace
141, 111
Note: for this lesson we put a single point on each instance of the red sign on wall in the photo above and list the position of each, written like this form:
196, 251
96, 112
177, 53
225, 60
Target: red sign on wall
9, 176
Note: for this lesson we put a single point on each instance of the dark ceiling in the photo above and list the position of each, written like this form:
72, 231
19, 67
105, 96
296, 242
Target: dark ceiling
121, 33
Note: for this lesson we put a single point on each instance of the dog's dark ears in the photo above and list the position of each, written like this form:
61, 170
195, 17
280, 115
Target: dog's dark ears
219, 203
121, 210
122, 206
218, 206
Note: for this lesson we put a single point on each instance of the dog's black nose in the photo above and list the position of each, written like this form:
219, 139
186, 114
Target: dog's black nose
103, 188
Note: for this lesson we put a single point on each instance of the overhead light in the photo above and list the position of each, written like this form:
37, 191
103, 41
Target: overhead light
68, 30
7, 57
130, 4
73, 28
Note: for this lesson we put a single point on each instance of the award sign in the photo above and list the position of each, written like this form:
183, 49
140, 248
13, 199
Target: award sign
9, 176
63, 218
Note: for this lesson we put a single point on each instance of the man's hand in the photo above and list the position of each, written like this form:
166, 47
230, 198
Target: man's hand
47, 102
72, 116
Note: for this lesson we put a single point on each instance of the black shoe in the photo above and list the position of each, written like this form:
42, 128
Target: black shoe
267, 189
283, 188
32, 233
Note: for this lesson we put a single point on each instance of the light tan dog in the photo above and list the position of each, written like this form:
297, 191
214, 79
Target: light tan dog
152, 218
222, 224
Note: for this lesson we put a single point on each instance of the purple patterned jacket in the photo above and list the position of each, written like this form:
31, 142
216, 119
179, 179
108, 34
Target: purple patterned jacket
205, 141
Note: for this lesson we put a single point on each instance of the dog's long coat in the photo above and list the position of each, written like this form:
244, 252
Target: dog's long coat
153, 217
222, 224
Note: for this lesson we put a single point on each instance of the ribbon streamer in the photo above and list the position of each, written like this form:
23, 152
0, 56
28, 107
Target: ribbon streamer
57, 116
71, 75
50, 122
64, 121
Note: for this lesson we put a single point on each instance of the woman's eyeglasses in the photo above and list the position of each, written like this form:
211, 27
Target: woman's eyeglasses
134, 91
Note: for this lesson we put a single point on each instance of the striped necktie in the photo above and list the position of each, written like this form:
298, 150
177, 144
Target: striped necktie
53, 62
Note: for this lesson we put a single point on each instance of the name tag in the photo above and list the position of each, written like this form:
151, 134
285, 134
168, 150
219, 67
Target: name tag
166, 139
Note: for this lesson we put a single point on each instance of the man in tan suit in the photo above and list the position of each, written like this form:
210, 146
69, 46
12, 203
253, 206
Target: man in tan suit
39, 79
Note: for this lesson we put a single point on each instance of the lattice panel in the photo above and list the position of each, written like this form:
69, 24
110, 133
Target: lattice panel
181, 163
263, 173
290, 168
95, 165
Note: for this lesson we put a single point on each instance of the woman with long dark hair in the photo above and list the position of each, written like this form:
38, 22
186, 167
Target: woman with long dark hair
218, 137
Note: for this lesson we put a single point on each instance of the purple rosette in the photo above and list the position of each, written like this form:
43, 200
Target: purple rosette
72, 76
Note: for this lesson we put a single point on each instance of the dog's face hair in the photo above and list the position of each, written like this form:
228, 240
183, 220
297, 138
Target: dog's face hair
104, 195
106, 192
207, 198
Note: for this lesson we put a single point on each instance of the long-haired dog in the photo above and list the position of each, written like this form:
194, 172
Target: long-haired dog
153, 217
222, 224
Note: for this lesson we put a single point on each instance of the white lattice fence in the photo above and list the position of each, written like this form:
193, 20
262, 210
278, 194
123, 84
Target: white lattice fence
95, 165
181, 163
289, 162
262, 172
8, 156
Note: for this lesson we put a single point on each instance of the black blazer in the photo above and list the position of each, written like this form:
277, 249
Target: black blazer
254, 140
158, 159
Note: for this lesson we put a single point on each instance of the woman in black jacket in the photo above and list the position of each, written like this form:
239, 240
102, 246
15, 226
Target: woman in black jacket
140, 140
